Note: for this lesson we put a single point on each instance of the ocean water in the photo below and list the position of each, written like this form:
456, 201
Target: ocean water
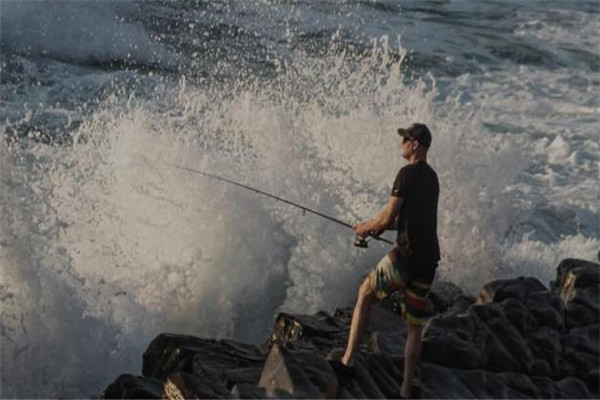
103, 245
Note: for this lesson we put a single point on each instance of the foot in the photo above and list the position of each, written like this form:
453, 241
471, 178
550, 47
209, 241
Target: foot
413, 393
403, 393
342, 369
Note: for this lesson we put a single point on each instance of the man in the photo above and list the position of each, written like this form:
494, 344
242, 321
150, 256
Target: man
410, 265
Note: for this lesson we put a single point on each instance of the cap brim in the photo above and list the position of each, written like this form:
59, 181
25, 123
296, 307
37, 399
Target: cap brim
404, 133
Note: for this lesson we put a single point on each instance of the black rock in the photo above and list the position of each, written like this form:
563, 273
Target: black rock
443, 295
506, 349
571, 388
235, 376
578, 283
128, 386
517, 312
284, 376
386, 376
582, 306
592, 379
519, 340
572, 272
366, 382
548, 309
318, 370
453, 341
581, 352
540, 368
164, 350
461, 305
544, 385
181, 386
546, 346
442, 382
248, 391
317, 329
518, 288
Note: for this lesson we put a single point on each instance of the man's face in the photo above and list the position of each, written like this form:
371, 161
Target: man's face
409, 146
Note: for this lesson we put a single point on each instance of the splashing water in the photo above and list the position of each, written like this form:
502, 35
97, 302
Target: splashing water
103, 246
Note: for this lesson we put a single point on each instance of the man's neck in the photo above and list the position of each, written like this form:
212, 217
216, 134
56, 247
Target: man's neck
415, 158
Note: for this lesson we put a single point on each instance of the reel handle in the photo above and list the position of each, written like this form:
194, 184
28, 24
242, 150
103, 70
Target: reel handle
361, 241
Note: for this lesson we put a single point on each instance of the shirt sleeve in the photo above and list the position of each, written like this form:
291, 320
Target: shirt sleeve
400, 184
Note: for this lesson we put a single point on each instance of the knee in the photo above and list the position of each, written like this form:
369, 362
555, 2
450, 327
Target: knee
366, 293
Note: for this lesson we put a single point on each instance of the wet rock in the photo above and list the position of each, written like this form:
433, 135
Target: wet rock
443, 295
379, 344
128, 386
574, 273
506, 349
519, 340
578, 283
582, 306
518, 288
548, 309
165, 350
540, 368
544, 385
386, 376
571, 388
461, 305
235, 376
227, 354
318, 370
453, 341
248, 391
283, 376
517, 385
518, 314
581, 352
181, 386
592, 380
443, 382
546, 347
319, 329
366, 382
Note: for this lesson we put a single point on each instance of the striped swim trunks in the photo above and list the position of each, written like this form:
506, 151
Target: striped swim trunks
389, 276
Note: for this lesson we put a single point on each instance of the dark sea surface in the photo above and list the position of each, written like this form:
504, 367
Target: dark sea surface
103, 245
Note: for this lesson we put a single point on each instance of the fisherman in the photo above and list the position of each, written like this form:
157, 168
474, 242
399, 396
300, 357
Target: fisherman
410, 266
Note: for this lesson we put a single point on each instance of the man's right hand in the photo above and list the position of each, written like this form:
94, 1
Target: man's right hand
376, 233
361, 229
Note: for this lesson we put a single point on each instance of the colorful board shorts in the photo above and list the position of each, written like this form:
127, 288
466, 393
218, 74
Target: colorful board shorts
389, 276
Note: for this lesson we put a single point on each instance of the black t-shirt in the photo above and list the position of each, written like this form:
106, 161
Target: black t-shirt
418, 185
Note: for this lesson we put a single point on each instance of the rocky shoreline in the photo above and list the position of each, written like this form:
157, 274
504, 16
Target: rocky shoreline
517, 339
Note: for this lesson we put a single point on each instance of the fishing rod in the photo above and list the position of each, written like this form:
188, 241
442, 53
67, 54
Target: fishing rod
359, 240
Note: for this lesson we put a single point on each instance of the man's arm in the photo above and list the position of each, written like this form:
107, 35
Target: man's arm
384, 220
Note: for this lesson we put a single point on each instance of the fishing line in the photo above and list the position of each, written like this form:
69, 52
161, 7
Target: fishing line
359, 242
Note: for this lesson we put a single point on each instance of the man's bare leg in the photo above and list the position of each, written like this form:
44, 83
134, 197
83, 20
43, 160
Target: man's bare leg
412, 356
360, 319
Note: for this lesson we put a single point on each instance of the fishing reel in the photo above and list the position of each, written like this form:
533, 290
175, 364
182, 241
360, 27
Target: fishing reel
361, 241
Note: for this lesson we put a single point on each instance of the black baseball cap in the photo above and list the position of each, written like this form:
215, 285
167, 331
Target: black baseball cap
418, 132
